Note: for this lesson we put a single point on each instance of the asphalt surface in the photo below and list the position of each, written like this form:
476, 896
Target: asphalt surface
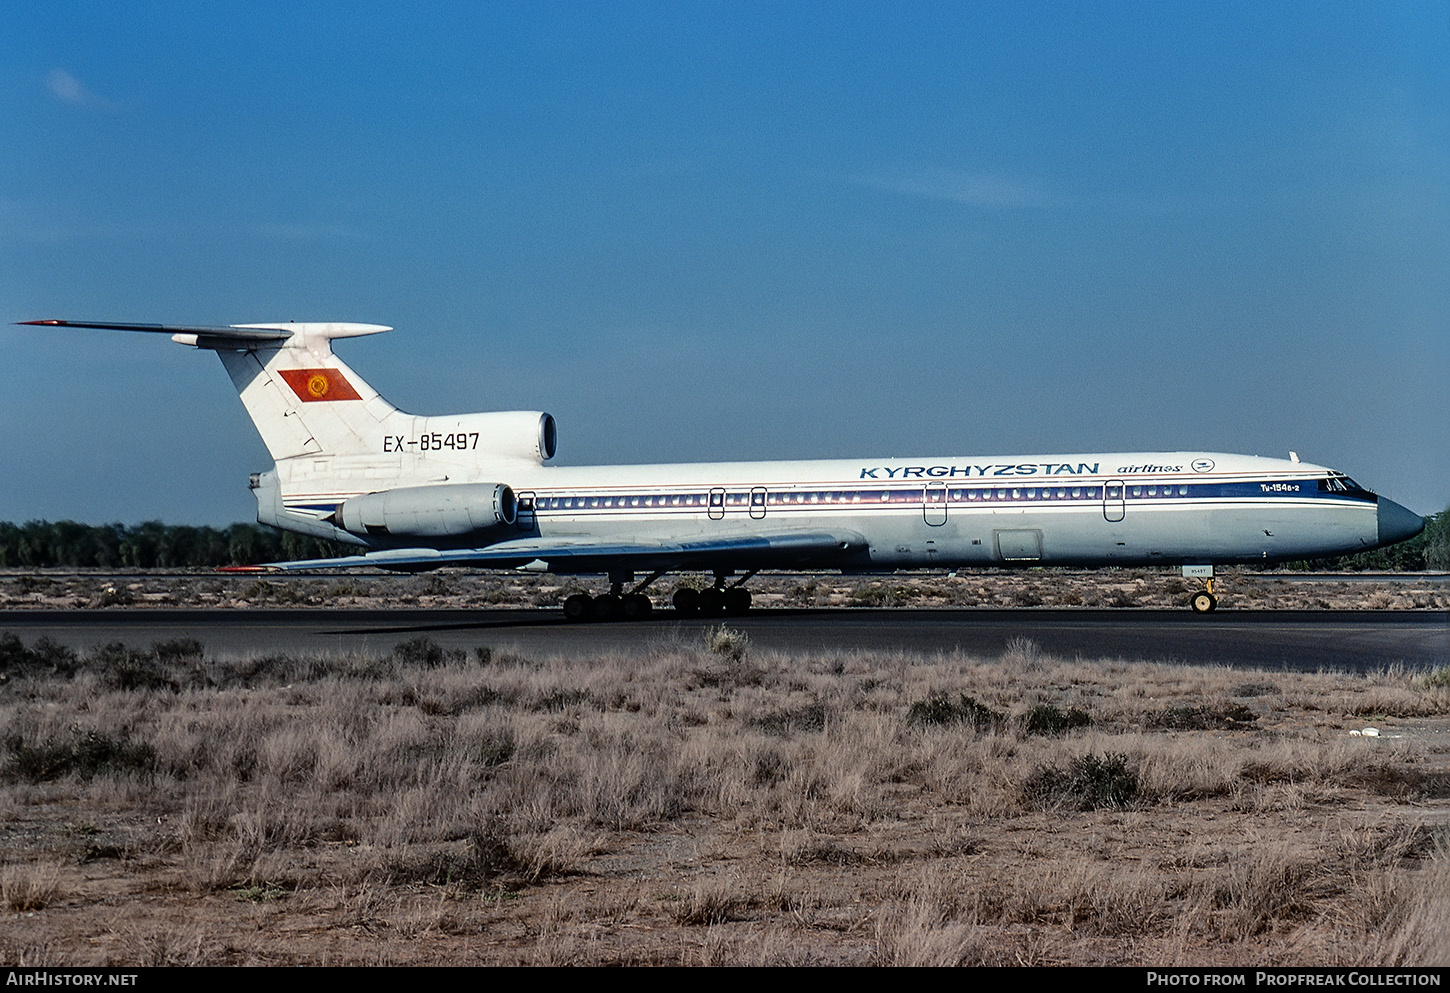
1292, 640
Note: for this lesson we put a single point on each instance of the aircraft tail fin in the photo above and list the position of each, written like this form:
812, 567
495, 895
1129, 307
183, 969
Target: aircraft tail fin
303, 399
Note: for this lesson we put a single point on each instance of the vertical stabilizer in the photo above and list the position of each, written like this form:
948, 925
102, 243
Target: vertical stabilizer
303, 399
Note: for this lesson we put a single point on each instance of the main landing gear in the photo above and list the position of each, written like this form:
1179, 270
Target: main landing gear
718, 599
616, 605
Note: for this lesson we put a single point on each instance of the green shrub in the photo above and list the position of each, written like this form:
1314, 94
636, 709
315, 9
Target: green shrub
123, 668
177, 649
426, 653
1203, 718
1436, 679
810, 717
88, 753
1089, 782
872, 595
941, 710
1045, 719
45, 658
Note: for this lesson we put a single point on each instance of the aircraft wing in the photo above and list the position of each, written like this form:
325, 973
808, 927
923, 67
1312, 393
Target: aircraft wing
765, 551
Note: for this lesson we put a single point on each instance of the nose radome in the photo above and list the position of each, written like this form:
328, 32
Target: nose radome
1396, 523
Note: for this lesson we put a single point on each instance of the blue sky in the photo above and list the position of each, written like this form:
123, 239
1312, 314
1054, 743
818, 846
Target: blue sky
730, 231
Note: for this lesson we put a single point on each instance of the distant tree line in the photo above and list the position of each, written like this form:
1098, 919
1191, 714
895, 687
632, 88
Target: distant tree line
152, 545
155, 545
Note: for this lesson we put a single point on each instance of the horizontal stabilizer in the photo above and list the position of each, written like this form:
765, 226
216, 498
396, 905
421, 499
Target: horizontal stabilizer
232, 336
241, 334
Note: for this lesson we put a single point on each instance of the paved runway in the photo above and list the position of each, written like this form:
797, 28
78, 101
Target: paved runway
1296, 640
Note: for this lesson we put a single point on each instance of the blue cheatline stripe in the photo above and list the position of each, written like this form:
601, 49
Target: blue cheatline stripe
783, 497
877, 498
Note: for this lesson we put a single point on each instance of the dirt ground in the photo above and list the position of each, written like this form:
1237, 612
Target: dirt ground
453, 588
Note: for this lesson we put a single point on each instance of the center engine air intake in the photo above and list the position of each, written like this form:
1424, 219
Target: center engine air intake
453, 511
505, 434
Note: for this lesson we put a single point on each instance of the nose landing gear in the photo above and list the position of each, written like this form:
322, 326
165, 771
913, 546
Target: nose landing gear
1201, 601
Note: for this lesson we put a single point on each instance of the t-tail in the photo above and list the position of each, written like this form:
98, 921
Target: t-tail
337, 443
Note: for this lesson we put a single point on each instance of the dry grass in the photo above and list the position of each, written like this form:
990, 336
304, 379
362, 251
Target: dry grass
29, 887
709, 804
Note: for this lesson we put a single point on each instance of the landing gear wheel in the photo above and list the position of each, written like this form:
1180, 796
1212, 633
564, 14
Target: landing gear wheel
606, 607
737, 601
1203, 602
579, 607
686, 601
712, 602
635, 607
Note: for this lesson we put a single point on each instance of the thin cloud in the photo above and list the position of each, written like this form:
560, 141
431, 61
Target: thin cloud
974, 189
67, 89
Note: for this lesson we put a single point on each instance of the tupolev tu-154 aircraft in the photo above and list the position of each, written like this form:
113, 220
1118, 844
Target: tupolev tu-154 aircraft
415, 492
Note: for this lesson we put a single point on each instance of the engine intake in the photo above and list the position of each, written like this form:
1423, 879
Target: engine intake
501, 434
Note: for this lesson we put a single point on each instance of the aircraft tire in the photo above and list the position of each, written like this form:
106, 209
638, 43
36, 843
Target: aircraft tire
635, 607
606, 608
578, 607
737, 601
1203, 602
712, 602
686, 601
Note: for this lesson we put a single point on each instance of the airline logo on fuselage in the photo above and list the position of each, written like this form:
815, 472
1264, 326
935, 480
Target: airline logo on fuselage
959, 471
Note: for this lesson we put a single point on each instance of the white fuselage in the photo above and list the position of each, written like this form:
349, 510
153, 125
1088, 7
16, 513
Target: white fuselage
1161, 508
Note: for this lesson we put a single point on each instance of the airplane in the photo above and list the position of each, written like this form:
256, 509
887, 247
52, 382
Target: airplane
415, 492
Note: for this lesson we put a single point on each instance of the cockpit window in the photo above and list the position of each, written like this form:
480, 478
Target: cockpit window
1340, 484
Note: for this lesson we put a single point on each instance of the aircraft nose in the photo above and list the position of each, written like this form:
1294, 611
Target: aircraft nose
1396, 523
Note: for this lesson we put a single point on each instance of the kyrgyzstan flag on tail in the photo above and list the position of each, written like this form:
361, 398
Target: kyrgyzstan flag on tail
312, 385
